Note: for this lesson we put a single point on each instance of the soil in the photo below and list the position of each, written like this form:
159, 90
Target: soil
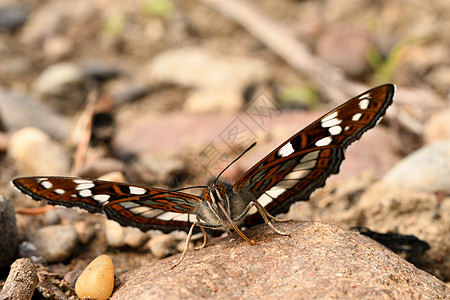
143, 128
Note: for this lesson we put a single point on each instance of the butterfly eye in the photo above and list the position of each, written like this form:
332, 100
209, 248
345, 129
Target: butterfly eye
221, 189
206, 195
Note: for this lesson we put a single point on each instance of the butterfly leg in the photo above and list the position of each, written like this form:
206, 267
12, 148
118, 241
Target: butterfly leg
266, 217
205, 238
186, 245
275, 218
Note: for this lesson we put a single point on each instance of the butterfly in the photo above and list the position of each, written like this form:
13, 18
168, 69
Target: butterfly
290, 173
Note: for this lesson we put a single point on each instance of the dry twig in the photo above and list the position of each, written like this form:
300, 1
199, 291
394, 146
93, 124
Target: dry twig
21, 282
85, 127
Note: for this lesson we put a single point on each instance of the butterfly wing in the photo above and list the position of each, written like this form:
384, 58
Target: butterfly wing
302, 164
129, 205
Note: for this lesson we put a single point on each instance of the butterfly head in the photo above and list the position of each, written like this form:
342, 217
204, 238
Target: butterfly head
217, 196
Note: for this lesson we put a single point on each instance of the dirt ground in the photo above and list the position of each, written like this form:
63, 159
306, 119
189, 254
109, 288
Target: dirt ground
163, 79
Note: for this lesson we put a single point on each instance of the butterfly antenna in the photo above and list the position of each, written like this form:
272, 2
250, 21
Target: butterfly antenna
190, 187
240, 155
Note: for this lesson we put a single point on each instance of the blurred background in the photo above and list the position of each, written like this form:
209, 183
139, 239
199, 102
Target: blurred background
167, 92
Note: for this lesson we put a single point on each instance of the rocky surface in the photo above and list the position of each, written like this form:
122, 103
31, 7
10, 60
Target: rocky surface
317, 261
383, 207
167, 82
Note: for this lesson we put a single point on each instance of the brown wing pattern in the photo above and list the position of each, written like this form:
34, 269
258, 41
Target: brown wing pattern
129, 205
289, 173
302, 164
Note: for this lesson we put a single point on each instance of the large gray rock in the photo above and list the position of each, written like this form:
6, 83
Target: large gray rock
426, 169
8, 233
317, 261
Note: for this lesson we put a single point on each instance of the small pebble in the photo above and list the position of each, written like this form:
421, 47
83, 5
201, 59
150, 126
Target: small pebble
162, 245
97, 280
35, 153
52, 217
353, 45
85, 231
56, 242
62, 85
58, 47
100, 70
212, 69
12, 17
159, 168
213, 100
135, 238
54, 79
181, 244
72, 276
29, 250
115, 234
114, 176
102, 166
119, 236
126, 91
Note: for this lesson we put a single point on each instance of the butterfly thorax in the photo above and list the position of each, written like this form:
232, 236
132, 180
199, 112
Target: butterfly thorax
219, 194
